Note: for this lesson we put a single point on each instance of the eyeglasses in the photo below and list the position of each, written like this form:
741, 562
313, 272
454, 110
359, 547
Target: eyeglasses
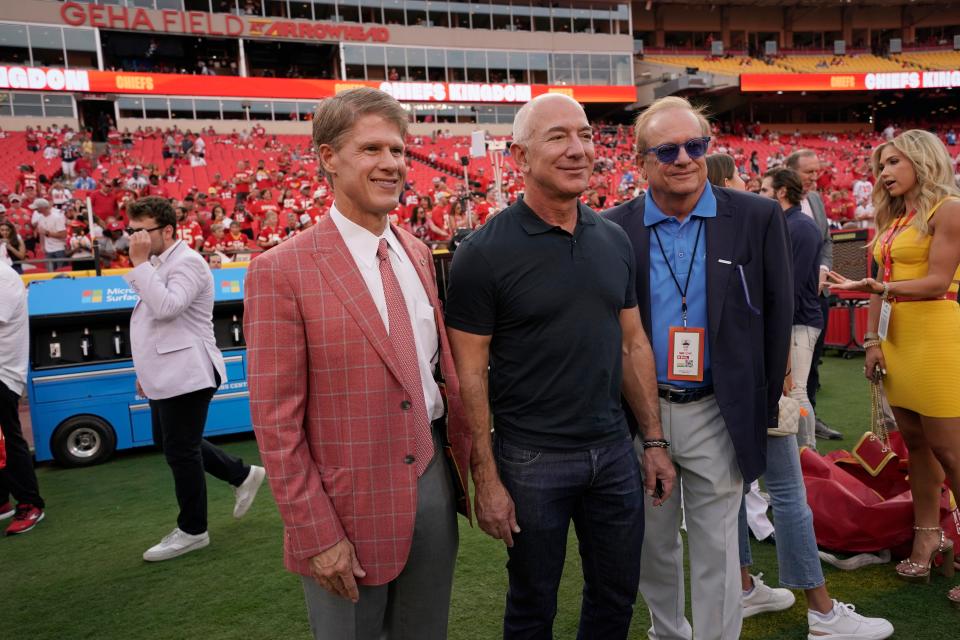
669, 152
131, 231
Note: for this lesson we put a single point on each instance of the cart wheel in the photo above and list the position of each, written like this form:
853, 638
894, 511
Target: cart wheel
848, 355
82, 441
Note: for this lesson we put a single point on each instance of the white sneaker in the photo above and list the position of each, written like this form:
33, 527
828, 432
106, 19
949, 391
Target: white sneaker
764, 599
176, 543
247, 491
847, 624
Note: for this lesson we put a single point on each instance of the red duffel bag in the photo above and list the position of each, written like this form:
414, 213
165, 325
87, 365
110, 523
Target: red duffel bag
861, 500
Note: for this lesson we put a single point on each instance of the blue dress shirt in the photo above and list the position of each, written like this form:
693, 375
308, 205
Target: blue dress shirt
678, 239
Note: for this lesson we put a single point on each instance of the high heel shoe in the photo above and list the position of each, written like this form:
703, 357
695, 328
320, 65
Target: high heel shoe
954, 597
916, 572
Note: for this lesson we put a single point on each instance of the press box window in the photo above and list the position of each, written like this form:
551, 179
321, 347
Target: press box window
58, 106
81, 46
156, 108
27, 104
46, 45
207, 109
14, 47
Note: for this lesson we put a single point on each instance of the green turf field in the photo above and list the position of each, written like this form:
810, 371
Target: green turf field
79, 573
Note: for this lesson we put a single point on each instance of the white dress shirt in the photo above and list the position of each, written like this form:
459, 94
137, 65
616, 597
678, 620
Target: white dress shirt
14, 338
363, 247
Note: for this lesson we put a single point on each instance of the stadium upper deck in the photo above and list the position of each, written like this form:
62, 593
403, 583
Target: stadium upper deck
157, 62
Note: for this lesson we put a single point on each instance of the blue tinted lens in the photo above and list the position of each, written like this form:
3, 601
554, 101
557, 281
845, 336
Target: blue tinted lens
696, 148
668, 153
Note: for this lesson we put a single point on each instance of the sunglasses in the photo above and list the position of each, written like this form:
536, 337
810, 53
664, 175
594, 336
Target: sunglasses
669, 152
131, 231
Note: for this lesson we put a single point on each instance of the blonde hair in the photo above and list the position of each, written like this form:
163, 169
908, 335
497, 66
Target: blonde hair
334, 117
935, 181
665, 104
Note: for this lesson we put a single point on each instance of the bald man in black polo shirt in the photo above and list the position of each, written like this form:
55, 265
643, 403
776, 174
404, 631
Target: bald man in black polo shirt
544, 294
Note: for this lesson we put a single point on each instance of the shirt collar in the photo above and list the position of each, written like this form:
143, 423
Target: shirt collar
706, 207
163, 257
361, 243
534, 224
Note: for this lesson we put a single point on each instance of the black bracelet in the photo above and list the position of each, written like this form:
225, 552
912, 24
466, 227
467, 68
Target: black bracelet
656, 444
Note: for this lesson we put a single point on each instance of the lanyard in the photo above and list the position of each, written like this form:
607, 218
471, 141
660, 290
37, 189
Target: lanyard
886, 244
686, 285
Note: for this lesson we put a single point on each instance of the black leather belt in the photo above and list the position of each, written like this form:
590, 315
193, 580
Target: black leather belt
678, 395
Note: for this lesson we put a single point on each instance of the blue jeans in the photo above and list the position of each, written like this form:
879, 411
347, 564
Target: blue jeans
601, 491
52, 263
797, 555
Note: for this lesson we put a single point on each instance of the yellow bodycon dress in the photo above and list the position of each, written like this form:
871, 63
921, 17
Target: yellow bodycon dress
922, 349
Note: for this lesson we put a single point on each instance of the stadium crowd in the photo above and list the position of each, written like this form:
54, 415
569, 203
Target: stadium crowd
234, 210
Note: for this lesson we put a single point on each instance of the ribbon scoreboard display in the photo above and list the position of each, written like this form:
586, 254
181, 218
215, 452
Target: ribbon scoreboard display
168, 84
898, 80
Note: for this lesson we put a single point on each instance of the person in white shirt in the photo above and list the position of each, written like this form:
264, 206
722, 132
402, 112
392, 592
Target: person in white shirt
179, 367
60, 194
200, 146
862, 190
18, 478
52, 229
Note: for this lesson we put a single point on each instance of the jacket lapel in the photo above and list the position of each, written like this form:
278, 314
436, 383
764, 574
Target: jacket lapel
721, 238
341, 274
639, 235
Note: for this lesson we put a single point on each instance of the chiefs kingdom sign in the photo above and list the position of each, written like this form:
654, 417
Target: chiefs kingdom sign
200, 23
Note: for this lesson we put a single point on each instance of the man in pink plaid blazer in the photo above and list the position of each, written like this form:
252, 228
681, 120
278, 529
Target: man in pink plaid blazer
346, 345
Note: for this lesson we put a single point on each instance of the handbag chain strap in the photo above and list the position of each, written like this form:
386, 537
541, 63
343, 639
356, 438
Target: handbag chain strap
877, 419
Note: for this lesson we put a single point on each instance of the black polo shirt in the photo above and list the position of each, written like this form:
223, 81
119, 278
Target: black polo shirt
552, 303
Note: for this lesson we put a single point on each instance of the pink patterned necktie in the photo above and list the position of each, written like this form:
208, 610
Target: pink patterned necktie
401, 337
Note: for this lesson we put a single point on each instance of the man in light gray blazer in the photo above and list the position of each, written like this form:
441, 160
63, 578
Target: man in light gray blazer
807, 164
179, 368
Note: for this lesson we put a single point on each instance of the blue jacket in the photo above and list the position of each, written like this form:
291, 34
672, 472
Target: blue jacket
805, 241
749, 339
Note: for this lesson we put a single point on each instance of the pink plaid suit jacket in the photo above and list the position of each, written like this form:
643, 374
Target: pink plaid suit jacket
326, 395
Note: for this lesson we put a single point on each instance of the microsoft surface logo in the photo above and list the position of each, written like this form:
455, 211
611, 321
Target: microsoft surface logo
91, 296
230, 286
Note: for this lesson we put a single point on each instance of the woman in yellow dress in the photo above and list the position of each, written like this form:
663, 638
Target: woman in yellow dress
913, 335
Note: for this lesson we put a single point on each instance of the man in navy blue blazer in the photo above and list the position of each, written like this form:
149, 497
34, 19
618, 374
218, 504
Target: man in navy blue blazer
715, 291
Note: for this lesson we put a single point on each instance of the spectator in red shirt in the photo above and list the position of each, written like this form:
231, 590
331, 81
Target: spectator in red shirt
262, 176
481, 208
188, 230
241, 180
21, 218
482, 181
236, 241
438, 225
263, 205
33, 140
26, 178
217, 240
270, 233
104, 201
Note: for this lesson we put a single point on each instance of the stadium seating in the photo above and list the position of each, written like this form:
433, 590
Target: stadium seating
795, 63
857, 63
732, 66
933, 60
